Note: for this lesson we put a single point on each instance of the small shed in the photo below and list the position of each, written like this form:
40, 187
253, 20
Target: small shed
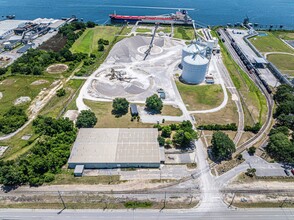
134, 110
259, 62
79, 169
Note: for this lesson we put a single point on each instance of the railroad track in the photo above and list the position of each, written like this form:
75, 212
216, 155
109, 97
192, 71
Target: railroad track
269, 99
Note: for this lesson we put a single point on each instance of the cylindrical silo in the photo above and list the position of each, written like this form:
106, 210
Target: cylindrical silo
194, 68
192, 49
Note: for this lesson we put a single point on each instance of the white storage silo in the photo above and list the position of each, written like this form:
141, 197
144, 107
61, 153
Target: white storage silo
192, 49
194, 69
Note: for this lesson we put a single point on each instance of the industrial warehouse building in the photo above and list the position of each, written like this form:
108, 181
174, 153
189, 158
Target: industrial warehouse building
116, 148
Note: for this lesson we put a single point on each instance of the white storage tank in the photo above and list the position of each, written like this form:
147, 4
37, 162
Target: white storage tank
194, 69
192, 49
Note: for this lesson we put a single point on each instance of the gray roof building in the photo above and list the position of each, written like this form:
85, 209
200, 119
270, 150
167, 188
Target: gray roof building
115, 147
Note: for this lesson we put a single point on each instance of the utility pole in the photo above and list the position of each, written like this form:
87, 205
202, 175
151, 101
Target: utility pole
284, 201
64, 206
232, 201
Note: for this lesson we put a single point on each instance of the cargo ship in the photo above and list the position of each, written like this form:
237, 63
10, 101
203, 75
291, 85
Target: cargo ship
180, 17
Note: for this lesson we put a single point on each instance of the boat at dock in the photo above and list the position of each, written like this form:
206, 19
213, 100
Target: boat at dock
180, 17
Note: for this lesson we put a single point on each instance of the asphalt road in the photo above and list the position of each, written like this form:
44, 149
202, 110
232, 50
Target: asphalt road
254, 214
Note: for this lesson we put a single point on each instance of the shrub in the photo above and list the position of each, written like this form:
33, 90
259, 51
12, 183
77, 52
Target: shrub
60, 92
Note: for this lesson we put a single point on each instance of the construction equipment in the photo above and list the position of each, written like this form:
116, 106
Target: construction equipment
147, 52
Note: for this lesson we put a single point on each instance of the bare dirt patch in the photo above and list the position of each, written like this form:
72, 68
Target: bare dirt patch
56, 43
39, 82
57, 68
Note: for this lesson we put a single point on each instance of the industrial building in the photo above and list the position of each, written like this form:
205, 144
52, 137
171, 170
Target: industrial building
7, 27
116, 148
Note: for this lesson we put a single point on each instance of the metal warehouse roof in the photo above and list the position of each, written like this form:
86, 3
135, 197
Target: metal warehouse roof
116, 145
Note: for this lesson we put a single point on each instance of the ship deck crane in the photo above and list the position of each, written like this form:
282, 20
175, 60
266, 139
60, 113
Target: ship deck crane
147, 52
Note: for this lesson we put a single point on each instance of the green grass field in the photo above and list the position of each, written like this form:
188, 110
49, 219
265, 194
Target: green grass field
88, 42
143, 30
285, 35
253, 101
103, 110
226, 115
283, 62
56, 105
270, 43
185, 33
14, 87
200, 97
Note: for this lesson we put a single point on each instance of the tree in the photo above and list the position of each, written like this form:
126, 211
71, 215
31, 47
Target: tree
222, 146
86, 119
120, 106
100, 47
37, 70
2, 71
161, 140
251, 150
154, 103
250, 172
60, 92
281, 148
166, 131
91, 24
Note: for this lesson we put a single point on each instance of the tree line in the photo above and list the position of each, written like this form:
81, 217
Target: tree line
46, 157
281, 137
218, 127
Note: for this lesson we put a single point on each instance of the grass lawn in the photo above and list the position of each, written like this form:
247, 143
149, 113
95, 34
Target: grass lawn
126, 30
226, 115
186, 33
88, 42
55, 107
285, 35
103, 110
200, 97
14, 87
253, 101
270, 43
283, 62
165, 29
16, 145
171, 111
143, 30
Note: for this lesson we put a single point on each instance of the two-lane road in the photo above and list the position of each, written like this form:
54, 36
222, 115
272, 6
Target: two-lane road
254, 214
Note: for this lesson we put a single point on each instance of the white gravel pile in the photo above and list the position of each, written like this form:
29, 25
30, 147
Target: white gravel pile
127, 49
21, 100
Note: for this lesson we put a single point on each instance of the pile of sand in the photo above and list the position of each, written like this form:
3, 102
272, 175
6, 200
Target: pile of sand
57, 68
21, 100
39, 82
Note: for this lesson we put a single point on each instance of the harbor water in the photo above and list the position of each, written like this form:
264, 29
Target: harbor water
209, 12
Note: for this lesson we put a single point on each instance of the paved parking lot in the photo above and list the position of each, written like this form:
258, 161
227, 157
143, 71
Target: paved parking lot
263, 168
166, 172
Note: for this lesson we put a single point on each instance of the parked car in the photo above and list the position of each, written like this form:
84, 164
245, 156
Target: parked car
287, 172
292, 171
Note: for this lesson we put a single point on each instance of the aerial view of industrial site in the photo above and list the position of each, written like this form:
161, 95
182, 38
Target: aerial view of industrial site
146, 110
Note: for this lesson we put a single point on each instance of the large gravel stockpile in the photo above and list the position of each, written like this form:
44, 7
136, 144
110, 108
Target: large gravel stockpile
126, 50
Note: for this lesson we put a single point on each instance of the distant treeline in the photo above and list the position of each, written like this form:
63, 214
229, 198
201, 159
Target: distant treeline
218, 127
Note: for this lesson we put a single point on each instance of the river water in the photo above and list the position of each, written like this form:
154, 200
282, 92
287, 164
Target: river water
208, 12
